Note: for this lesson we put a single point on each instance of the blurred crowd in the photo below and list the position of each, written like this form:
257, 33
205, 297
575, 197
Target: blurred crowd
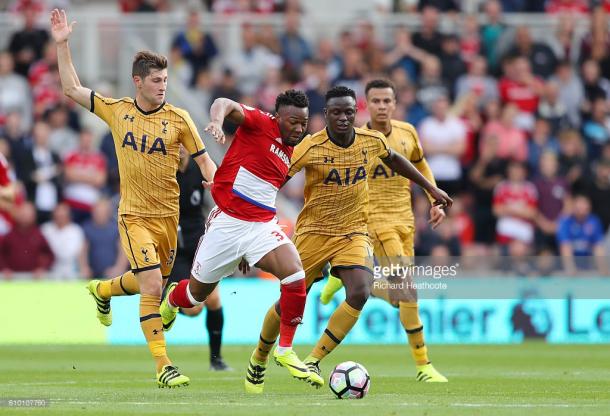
515, 126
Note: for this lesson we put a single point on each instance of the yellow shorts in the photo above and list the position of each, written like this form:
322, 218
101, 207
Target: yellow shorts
149, 243
342, 252
393, 241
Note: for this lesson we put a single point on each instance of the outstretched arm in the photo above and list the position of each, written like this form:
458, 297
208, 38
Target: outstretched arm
403, 167
61, 30
223, 108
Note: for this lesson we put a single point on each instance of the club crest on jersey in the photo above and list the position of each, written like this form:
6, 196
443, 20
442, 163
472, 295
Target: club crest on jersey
335, 176
280, 153
157, 146
165, 123
365, 153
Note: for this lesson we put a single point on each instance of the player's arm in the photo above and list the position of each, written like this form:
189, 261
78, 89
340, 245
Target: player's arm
221, 109
207, 168
403, 167
437, 214
61, 30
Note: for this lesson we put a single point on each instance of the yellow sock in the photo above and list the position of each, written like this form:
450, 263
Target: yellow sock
269, 333
150, 321
409, 316
123, 285
339, 324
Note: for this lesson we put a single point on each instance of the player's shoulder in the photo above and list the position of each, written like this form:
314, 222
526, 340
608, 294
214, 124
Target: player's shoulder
180, 112
316, 138
111, 100
404, 127
370, 134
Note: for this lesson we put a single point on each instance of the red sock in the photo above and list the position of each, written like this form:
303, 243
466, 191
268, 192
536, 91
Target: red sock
292, 305
178, 297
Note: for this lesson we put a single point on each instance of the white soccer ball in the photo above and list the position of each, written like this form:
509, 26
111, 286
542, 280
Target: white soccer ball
349, 380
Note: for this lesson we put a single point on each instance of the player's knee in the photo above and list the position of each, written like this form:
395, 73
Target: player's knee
151, 286
357, 296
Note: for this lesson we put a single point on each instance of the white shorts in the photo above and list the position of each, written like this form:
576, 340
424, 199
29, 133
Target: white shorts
227, 240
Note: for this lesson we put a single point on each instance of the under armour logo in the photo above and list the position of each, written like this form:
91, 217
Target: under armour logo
172, 255
328, 159
128, 117
145, 252
365, 153
155, 331
165, 123
297, 320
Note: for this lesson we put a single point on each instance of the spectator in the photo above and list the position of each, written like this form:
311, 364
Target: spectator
268, 38
597, 188
429, 39
540, 142
520, 87
24, 248
441, 5
44, 80
470, 39
541, 57
414, 112
431, 85
27, 44
352, 70
580, 237
594, 84
451, 61
552, 109
491, 33
8, 196
572, 156
103, 256
197, 47
511, 142
552, 192
317, 82
571, 92
181, 69
487, 172
515, 203
326, 54
62, 138
40, 172
443, 138
15, 94
404, 54
66, 240
466, 108
596, 129
567, 6
85, 177
227, 87
477, 82
294, 48
251, 62
18, 142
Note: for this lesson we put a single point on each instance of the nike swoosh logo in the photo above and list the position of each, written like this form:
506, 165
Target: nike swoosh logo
305, 370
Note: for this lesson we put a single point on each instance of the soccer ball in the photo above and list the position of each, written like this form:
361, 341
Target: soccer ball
350, 380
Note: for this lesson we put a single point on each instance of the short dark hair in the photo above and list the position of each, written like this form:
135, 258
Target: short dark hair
379, 83
145, 61
296, 98
340, 91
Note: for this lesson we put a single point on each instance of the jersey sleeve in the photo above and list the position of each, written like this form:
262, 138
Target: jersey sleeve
383, 149
254, 118
189, 136
102, 107
418, 150
300, 156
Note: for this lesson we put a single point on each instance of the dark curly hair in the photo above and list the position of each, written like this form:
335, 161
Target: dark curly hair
339, 91
296, 98
379, 83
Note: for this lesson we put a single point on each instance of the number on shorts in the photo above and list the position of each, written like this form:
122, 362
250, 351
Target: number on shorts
277, 235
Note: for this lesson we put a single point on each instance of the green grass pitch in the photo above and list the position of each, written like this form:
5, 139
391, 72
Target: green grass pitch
532, 379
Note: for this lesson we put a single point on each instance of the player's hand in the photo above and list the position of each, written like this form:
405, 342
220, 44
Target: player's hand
60, 29
437, 215
244, 267
215, 129
207, 185
441, 198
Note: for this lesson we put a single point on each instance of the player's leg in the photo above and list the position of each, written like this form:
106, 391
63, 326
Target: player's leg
396, 246
214, 322
284, 263
310, 252
353, 266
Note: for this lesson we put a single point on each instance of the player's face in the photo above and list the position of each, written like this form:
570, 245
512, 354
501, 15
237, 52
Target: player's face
293, 124
152, 88
381, 104
340, 114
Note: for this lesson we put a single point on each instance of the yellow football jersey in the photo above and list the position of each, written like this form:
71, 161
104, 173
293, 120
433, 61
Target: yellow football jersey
336, 188
390, 193
147, 145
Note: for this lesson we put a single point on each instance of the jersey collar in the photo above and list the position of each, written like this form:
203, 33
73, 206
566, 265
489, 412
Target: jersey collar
148, 112
341, 144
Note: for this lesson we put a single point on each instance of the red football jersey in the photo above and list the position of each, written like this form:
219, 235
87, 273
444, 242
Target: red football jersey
253, 170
